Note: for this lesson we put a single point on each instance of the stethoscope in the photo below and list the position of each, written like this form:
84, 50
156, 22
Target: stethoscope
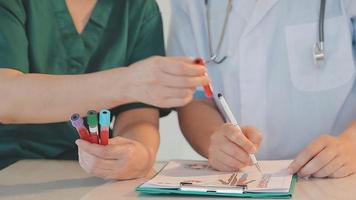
319, 47
215, 57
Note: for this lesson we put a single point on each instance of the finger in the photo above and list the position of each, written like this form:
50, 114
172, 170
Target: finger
185, 59
306, 155
172, 92
94, 163
220, 166
236, 152
119, 141
330, 168
253, 134
236, 136
183, 82
82, 162
180, 67
99, 172
109, 152
341, 172
226, 159
318, 162
102, 173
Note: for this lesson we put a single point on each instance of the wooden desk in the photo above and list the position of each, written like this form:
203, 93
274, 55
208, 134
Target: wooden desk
53, 180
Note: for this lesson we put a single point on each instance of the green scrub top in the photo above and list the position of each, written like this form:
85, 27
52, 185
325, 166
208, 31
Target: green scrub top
39, 36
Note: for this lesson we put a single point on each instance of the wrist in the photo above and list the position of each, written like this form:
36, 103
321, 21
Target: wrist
132, 83
141, 164
121, 86
350, 133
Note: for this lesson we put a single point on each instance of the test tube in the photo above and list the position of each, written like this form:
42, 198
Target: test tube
92, 120
207, 88
78, 124
104, 120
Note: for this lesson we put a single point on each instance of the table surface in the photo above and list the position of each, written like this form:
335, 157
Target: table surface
38, 179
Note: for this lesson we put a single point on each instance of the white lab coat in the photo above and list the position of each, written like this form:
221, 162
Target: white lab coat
269, 78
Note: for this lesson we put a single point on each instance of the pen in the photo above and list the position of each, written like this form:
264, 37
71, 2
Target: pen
207, 88
232, 120
92, 120
104, 121
78, 124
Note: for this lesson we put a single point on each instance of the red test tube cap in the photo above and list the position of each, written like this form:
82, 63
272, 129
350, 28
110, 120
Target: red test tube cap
207, 88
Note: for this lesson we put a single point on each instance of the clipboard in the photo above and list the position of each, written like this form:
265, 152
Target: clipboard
192, 189
222, 193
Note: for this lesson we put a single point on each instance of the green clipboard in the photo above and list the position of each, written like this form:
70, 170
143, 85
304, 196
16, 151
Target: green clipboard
275, 195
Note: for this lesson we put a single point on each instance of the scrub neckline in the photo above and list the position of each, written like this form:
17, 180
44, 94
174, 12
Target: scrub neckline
80, 46
87, 23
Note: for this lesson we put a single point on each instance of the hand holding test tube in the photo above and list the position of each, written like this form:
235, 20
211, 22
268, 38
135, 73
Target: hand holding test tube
93, 135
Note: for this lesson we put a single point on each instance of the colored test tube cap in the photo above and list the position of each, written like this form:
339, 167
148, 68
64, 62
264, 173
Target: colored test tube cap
104, 119
92, 118
76, 120
199, 61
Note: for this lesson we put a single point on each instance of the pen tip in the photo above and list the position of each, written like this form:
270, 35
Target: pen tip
219, 95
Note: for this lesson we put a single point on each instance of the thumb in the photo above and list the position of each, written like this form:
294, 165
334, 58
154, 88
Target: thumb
190, 60
81, 142
119, 141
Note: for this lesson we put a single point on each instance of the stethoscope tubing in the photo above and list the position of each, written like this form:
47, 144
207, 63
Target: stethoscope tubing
321, 23
214, 55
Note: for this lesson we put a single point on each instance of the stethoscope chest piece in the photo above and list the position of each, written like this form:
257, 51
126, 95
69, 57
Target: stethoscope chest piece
319, 54
215, 56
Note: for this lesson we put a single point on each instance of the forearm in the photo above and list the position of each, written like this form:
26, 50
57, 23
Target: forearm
41, 98
198, 121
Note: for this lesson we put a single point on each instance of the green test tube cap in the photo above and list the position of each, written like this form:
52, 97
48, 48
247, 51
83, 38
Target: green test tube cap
92, 118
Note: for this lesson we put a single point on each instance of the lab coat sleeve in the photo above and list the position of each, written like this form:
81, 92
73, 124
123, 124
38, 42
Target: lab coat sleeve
181, 36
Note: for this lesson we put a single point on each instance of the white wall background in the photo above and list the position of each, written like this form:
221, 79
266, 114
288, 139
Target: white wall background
173, 143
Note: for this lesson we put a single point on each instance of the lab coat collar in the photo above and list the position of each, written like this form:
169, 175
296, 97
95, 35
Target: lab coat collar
262, 7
